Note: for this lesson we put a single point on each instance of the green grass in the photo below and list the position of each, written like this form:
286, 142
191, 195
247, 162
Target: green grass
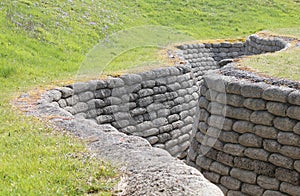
292, 32
36, 160
41, 44
40, 162
129, 49
46, 42
283, 64
134, 59
220, 19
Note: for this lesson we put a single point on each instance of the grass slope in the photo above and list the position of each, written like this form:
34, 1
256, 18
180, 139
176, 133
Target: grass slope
220, 19
283, 64
44, 42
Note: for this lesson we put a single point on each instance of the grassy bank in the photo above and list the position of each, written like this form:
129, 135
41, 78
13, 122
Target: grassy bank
44, 42
283, 64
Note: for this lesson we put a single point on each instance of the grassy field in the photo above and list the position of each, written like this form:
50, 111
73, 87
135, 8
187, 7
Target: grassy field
44, 43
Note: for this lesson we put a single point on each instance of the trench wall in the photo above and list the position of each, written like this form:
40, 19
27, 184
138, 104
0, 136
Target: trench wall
248, 136
243, 136
158, 105
207, 56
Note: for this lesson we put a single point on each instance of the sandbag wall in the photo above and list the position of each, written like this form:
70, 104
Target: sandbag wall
158, 105
248, 136
260, 45
205, 56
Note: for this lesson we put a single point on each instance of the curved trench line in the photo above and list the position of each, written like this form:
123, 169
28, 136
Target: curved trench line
161, 106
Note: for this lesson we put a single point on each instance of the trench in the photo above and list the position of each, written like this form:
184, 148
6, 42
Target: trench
196, 113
